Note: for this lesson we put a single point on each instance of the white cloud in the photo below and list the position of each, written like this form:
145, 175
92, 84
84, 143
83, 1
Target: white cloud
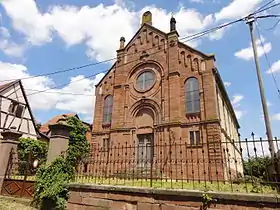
93, 25
27, 19
269, 103
9, 47
236, 105
238, 114
274, 68
82, 104
237, 9
276, 116
196, 1
248, 54
227, 84
216, 35
237, 99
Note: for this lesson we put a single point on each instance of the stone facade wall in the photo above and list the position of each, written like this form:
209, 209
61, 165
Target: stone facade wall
87, 197
164, 103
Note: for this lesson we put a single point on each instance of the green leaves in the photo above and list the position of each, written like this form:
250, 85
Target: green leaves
51, 191
257, 167
37, 150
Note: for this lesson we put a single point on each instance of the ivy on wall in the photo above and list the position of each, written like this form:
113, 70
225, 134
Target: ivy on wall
51, 188
30, 150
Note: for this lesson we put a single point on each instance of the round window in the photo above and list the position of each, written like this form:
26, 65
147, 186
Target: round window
145, 80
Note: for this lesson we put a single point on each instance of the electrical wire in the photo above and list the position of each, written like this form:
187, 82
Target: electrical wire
267, 8
191, 37
274, 26
265, 5
198, 35
194, 36
112, 59
268, 62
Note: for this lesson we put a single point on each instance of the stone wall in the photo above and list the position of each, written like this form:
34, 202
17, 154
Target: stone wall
90, 197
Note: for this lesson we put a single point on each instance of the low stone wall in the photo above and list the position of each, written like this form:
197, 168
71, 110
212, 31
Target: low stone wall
93, 197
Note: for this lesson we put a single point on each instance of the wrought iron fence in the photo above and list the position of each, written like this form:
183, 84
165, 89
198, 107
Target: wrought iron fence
237, 166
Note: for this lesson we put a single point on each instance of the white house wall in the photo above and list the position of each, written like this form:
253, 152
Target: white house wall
23, 124
230, 138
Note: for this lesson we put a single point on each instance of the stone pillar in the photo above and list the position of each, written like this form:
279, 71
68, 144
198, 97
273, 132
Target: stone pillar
9, 142
59, 139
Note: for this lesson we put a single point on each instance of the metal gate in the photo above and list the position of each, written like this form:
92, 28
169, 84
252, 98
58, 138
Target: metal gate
19, 178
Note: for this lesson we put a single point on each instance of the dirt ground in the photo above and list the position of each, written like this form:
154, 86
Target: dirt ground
9, 204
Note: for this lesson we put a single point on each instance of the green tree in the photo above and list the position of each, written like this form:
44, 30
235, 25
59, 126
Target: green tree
37, 150
257, 167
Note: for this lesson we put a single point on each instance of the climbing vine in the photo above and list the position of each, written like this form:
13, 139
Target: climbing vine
51, 188
30, 150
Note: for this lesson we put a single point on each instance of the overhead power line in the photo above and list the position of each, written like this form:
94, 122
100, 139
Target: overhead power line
264, 6
268, 62
194, 36
190, 38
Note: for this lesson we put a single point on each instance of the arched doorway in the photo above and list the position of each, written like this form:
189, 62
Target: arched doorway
144, 122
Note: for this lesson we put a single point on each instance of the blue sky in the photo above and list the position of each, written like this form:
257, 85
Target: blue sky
41, 36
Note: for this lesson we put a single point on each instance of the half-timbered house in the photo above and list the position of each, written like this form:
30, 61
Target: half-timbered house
15, 111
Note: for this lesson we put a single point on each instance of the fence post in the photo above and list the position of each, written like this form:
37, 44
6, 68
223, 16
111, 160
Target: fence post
9, 142
59, 139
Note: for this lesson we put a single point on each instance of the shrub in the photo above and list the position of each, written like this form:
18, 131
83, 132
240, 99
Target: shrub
33, 148
51, 188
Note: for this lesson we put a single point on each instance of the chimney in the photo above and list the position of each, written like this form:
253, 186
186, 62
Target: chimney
122, 42
147, 18
172, 24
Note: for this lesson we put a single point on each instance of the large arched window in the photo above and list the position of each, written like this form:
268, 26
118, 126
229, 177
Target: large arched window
107, 110
192, 96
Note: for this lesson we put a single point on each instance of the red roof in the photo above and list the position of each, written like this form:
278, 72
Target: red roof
45, 127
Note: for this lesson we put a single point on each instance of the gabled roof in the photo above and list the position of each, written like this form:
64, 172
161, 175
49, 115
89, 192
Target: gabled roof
163, 34
7, 85
45, 127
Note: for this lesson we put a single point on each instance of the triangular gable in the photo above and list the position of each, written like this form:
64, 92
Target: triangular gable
108, 72
140, 30
159, 32
203, 55
8, 85
129, 43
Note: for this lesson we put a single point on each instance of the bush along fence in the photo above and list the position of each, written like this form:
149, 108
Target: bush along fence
20, 172
67, 147
233, 166
242, 166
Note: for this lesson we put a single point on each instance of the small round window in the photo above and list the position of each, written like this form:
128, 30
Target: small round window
145, 80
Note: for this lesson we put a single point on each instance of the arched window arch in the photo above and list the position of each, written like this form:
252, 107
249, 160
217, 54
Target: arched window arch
192, 96
107, 109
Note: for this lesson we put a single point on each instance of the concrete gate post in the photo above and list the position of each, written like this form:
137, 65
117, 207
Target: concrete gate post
10, 141
59, 140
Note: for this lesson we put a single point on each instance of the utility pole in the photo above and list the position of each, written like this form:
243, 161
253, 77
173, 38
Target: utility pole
250, 21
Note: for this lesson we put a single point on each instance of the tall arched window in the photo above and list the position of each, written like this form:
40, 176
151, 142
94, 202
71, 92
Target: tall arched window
192, 96
107, 110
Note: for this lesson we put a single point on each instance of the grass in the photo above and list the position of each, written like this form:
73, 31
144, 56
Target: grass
181, 184
13, 204
220, 186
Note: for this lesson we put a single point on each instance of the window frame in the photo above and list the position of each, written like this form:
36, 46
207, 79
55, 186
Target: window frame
107, 110
195, 138
142, 87
192, 96
16, 109
105, 145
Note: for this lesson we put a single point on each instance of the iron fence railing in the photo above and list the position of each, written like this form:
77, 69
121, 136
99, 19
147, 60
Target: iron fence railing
236, 166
